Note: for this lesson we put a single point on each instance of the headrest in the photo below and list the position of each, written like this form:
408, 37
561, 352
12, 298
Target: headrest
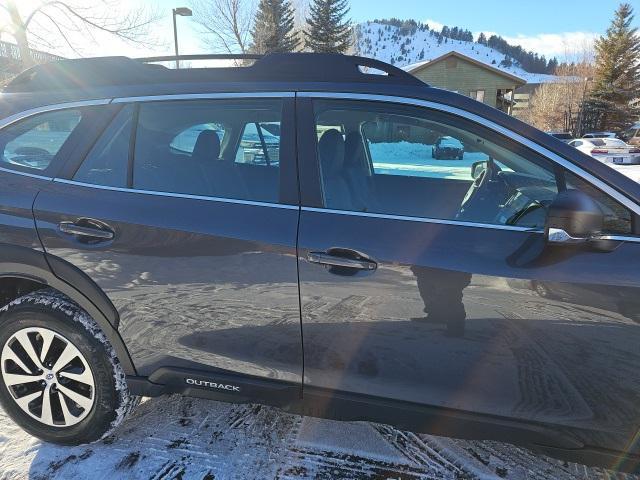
331, 151
353, 149
207, 147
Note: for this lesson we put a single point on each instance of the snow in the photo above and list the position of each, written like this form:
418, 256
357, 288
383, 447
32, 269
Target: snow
376, 41
415, 159
631, 171
178, 437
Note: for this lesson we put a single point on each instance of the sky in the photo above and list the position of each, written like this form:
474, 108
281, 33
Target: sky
544, 26
510, 18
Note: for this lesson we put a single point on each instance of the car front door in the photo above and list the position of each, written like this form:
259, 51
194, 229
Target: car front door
193, 243
421, 279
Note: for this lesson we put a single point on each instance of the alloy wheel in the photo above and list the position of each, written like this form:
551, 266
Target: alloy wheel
48, 377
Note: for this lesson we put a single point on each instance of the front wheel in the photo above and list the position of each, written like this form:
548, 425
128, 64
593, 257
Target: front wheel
60, 379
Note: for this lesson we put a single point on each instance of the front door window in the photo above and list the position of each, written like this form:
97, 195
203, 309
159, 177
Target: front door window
406, 161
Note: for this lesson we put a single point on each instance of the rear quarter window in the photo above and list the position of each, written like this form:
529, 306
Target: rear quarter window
34, 142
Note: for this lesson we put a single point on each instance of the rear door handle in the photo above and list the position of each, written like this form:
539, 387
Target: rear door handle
71, 228
336, 261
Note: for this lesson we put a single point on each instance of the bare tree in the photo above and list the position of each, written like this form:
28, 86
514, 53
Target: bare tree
54, 24
558, 105
226, 23
301, 9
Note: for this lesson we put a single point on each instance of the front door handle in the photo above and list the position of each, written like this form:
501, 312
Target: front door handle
337, 261
96, 232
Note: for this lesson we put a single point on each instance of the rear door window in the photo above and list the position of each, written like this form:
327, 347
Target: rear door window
214, 148
34, 142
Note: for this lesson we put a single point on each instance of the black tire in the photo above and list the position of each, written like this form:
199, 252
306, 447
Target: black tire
51, 311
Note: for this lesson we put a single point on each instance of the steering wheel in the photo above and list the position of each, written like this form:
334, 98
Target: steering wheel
535, 207
481, 192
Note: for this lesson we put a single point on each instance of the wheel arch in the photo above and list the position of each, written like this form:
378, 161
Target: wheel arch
23, 270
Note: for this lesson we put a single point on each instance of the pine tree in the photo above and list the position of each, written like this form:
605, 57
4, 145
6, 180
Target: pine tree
617, 76
328, 30
273, 31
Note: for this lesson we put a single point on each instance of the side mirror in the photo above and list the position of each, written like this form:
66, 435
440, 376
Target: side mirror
573, 217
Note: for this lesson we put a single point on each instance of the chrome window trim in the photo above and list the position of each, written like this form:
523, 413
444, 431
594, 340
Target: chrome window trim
619, 238
438, 221
5, 122
178, 195
16, 117
204, 96
330, 95
25, 174
627, 202
459, 223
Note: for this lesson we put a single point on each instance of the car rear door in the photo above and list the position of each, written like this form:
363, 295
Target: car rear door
195, 247
419, 280
32, 150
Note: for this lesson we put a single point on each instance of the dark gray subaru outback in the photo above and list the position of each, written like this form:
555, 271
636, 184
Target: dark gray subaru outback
281, 233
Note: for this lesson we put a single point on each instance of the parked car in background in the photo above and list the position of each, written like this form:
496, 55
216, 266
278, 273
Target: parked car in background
566, 137
608, 150
448, 148
599, 135
632, 136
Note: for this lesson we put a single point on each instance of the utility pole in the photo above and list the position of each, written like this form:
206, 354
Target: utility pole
183, 12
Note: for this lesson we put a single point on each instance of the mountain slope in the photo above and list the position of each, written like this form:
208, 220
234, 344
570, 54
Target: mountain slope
405, 48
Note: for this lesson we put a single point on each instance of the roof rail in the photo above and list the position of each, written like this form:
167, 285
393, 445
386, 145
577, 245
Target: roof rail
88, 73
214, 56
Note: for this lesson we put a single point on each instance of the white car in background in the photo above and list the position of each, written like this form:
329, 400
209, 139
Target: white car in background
608, 150
599, 135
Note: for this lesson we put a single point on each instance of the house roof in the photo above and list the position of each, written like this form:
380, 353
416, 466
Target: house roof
416, 67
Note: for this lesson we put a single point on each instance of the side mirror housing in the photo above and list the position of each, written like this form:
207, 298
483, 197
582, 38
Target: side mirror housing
573, 217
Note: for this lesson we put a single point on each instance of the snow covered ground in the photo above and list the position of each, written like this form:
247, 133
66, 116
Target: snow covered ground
631, 171
416, 159
183, 438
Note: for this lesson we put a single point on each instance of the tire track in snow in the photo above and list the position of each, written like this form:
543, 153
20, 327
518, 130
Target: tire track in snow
220, 441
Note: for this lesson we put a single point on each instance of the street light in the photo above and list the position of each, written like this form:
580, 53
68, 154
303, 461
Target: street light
183, 12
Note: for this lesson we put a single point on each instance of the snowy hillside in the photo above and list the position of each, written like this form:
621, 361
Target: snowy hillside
389, 44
